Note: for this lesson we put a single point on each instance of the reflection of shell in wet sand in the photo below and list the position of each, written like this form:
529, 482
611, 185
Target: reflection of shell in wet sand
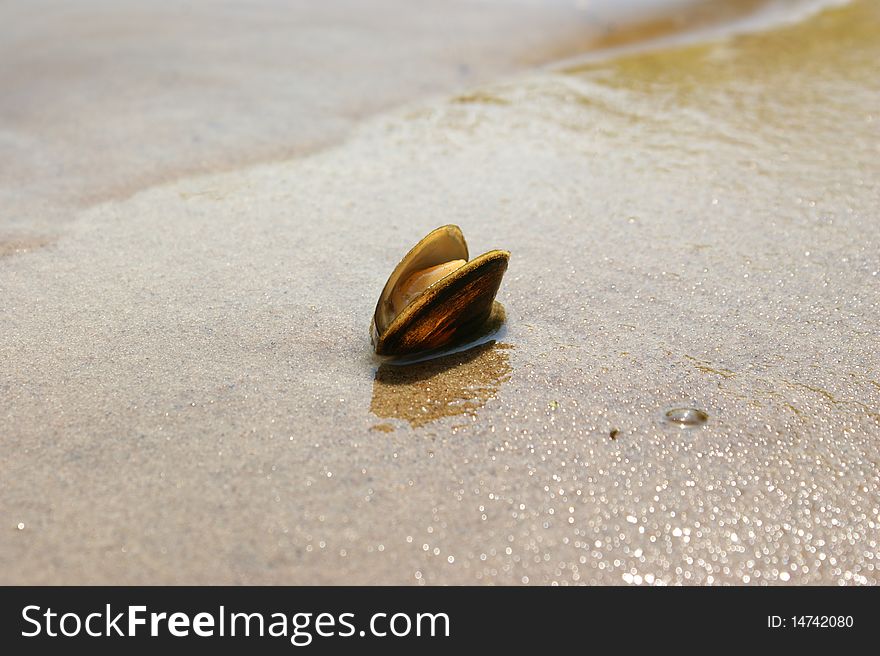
456, 384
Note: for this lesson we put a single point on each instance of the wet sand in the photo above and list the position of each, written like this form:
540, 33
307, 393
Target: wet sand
188, 396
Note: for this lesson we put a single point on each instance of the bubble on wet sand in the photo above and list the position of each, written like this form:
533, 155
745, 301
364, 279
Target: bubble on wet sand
687, 416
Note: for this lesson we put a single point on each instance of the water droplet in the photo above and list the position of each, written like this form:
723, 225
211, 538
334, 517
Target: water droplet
687, 416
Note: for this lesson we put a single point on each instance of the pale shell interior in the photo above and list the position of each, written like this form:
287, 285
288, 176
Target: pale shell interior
439, 246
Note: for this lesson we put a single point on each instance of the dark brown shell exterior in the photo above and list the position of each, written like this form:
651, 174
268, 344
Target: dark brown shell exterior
447, 311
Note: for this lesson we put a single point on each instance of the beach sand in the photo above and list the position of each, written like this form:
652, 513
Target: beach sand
187, 391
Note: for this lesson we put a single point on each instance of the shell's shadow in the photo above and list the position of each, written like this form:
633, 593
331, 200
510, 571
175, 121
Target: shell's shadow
458, 383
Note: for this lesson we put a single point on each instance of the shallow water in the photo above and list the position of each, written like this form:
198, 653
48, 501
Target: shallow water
188, 393
101, 99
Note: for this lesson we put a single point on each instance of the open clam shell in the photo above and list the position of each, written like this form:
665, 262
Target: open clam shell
456, 302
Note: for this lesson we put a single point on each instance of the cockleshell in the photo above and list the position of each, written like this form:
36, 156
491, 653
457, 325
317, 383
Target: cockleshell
432, 300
